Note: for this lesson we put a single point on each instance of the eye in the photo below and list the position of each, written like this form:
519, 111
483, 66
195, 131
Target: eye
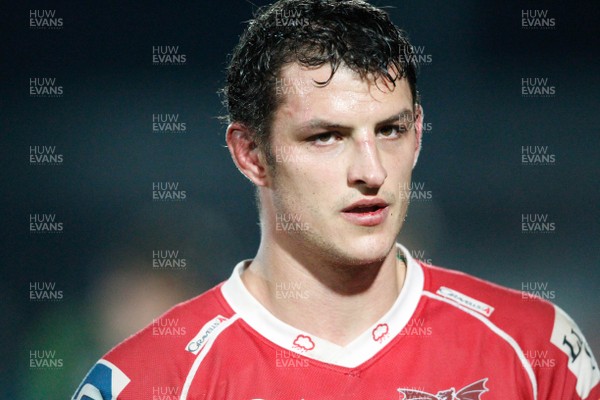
324, 139
393, 131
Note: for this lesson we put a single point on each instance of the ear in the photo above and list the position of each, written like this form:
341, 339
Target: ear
419, 115
246, 155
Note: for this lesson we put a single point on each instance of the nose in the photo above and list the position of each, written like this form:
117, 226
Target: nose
366, 168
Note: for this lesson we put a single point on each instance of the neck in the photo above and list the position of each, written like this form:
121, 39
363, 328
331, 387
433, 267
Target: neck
332, 301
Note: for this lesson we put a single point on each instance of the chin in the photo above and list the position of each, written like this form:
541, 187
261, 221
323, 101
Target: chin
369, 250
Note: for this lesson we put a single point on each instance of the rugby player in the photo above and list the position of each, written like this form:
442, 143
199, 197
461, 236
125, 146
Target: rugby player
325, 121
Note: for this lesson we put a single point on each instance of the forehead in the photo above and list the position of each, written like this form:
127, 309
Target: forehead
346, 96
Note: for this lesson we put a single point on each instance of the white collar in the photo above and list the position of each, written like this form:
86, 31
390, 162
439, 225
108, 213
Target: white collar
361, 349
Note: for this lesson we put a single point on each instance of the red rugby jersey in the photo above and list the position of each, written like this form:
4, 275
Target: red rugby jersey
448, 336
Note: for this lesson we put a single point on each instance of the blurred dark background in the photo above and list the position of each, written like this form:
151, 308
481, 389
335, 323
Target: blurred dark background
101, 262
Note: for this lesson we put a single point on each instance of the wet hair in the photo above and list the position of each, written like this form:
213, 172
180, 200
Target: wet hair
311, 33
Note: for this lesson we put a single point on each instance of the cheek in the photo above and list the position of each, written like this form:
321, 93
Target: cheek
306, 191
292, 186
309, 176
400, 162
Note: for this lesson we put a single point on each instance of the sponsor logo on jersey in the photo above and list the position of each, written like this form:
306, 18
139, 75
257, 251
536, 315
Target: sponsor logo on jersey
210, 329
380, 332
469, 392
569, 339
466, 301
304, 343
104, 381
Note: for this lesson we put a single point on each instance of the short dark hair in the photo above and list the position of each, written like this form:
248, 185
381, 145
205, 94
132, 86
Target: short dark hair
311, 33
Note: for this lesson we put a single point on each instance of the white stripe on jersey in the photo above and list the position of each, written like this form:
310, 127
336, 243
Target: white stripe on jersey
205, 350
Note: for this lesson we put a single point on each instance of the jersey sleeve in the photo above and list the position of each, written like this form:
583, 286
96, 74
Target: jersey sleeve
574, 371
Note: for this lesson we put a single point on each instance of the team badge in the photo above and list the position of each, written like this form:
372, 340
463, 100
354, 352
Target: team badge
469, 392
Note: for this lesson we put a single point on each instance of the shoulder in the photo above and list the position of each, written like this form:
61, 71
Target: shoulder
520, 316
156, 355
174, 326
543, 335
523, 321
500, 304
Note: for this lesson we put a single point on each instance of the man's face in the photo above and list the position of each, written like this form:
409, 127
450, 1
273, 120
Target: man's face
343, 155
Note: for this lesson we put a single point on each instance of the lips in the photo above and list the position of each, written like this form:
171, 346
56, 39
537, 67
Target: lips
366, 212
366, 205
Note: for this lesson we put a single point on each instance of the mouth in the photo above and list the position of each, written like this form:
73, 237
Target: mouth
364, 209
366, 212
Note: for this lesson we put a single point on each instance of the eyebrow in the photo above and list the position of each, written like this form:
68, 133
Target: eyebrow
317, 123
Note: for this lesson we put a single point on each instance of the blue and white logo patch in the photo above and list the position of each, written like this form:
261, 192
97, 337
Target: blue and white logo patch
105, 381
